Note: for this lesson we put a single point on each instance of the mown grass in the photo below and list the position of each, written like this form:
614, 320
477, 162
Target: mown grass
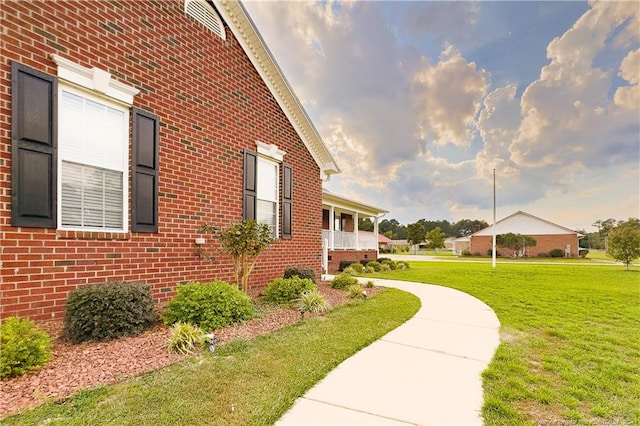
246, 383
570, 339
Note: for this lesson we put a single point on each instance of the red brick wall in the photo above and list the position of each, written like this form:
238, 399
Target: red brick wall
339, 255
544, 244
211, 103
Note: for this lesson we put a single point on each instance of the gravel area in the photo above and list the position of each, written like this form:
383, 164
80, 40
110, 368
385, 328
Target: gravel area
89, 365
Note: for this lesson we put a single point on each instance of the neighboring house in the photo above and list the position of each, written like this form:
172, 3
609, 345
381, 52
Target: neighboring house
548, 236
340, 235
125, 126
383, 242
457, 244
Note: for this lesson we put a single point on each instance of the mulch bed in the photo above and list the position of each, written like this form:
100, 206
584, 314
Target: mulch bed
88, 365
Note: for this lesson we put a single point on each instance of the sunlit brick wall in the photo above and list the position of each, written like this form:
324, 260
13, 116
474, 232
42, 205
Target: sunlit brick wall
211, 103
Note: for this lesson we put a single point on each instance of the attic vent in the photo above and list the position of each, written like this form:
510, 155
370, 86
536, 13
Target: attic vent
206, 15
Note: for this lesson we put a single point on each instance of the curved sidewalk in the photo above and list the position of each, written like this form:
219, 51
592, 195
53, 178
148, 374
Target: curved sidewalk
425, 372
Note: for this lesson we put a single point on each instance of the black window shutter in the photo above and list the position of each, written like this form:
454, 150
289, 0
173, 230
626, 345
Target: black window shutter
144, 181
34, 137
287, 198
249, 191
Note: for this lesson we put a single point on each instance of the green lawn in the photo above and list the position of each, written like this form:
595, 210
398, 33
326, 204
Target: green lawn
248, 382
570, 336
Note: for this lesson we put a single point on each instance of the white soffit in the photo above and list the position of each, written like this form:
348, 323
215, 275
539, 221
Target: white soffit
243, 28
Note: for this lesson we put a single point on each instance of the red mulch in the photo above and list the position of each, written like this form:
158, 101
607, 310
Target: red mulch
88, 365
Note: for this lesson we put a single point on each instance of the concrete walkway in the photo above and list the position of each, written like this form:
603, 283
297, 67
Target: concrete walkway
425, 372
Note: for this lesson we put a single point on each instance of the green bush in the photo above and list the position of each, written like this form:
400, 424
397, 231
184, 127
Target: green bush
24, 347
108, 311
312, 301
185, 338
374, 265
209, 305
283, 291
556, 253
350, 270
465, 252
345, 264
401, 265
354, 291
357, 267
370, 284
386, 261
343, 281
300, 271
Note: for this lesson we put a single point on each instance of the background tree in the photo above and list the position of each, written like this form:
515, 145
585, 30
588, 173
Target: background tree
435, 238
516, 243
243, 242
624, 241
415, 233
365, 224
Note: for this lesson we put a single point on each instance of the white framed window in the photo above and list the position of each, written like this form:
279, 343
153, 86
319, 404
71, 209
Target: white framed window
93, 161
267, 189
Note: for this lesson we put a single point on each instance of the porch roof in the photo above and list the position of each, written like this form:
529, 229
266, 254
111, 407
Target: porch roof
330, 199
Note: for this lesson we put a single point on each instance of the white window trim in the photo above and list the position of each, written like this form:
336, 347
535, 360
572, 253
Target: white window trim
277, 200
125, 172
94, 79
271, 151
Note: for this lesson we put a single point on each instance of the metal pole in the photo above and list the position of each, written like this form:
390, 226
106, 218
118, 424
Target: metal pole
493, 245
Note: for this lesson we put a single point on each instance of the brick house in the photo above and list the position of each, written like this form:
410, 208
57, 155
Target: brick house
125, 126
341, 238
548, 236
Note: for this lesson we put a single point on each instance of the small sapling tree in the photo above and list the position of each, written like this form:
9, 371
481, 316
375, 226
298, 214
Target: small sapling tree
243, 242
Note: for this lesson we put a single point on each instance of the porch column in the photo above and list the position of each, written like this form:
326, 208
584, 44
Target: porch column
332, 221
375, 232
355, 226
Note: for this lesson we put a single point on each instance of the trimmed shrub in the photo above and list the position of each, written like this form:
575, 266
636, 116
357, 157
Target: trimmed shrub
312, 301
345, 264
108, 311
185, 338
465, 252
343, 281
209, 305
283, 291
384, 267
300, 271
24, 347
556, 252
583, 253
384, 260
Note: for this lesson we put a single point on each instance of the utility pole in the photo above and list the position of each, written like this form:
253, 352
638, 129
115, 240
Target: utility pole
493, 244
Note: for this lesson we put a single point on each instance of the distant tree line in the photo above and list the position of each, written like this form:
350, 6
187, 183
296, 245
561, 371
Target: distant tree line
394, 230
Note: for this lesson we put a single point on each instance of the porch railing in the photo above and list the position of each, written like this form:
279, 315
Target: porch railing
347, 240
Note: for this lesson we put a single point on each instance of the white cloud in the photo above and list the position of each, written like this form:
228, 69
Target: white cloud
449, 95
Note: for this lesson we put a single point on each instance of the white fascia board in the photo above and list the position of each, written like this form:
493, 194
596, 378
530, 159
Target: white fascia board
336, 201
244, 30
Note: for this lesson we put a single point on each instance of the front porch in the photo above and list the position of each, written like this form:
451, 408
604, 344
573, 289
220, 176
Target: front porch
341, 238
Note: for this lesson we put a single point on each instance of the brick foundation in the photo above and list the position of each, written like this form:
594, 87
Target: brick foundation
337, 256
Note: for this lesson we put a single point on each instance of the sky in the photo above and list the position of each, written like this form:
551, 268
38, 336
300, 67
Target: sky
419, 101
